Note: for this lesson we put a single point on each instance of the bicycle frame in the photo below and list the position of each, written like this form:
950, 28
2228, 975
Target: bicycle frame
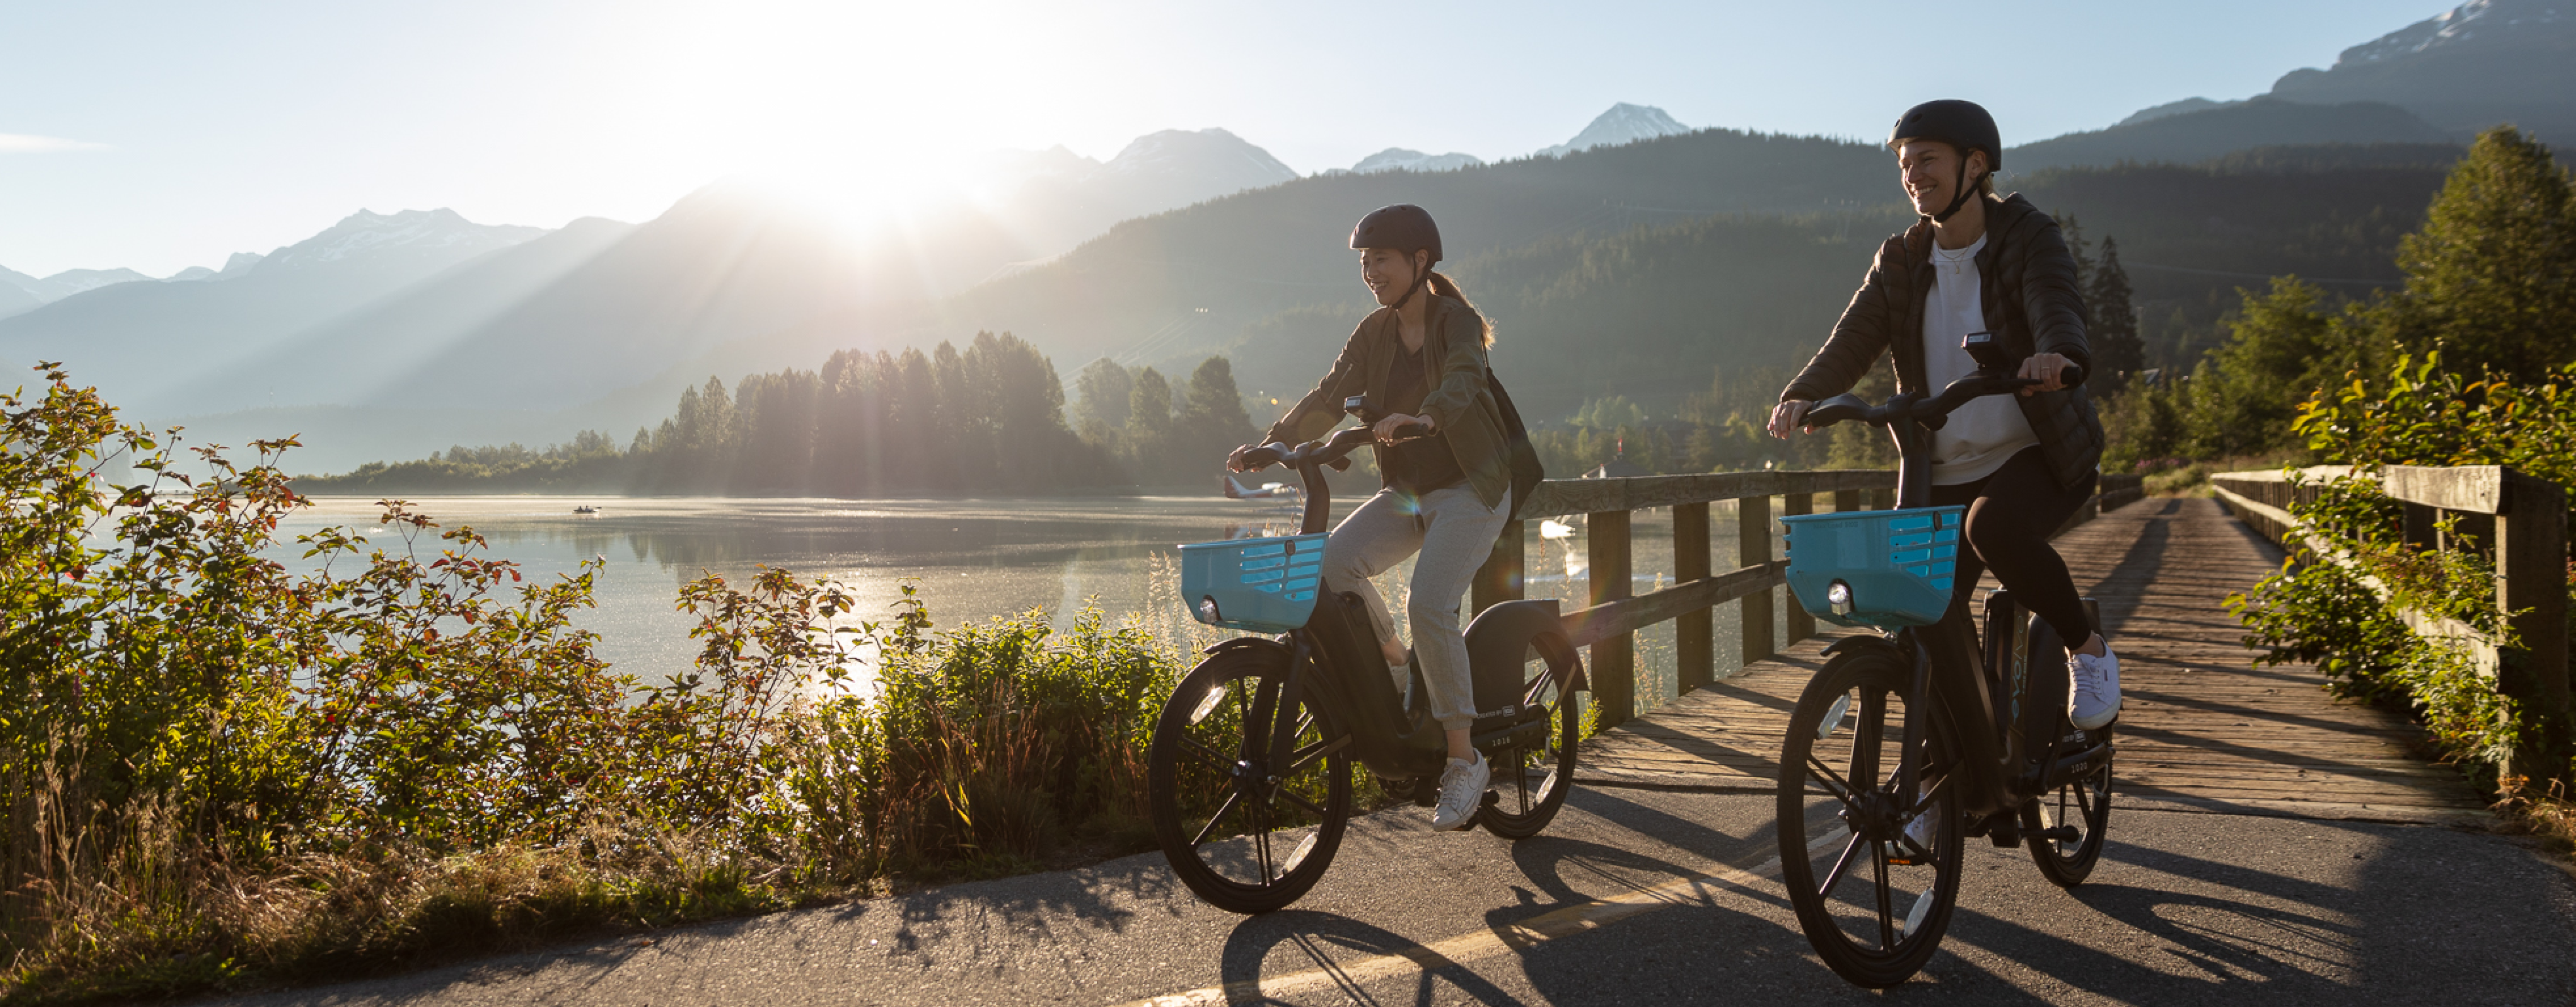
1333, 660
1959, 674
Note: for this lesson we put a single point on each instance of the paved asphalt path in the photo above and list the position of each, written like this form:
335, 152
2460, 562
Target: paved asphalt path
1633, 896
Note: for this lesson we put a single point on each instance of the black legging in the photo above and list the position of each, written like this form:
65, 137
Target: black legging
2011, 513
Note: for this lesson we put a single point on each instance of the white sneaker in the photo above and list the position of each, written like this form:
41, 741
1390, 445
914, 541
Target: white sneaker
1462, 790
2096, 698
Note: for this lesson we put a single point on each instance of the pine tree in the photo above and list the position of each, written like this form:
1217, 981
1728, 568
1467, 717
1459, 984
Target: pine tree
2491, 278
1212, 419
1103, 388
1148, 435
2117, 349
2075, 245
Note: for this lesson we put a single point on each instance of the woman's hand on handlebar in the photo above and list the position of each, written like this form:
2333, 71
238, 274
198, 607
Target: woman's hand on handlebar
1785, 417
1236, 462
1386, 426
2046, 368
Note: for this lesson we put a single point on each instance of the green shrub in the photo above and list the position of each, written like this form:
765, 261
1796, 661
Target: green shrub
220, 771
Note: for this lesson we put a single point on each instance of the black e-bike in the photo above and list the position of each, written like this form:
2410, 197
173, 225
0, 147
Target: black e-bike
1249, 779
1910, 740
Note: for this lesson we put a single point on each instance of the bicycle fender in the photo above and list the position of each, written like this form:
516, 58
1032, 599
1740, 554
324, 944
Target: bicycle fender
1859, 641
1249, 643
1497, 640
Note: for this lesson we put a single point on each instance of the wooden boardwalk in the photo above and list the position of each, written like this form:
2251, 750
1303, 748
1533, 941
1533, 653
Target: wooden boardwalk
2200, 727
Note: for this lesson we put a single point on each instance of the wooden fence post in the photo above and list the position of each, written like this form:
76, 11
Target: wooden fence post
1694, 633
1752, 547
1800, 624
1500, 579
2531, 561
1614, 658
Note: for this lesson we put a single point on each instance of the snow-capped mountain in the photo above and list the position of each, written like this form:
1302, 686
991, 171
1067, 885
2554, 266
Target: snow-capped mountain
1400, 159
2476, 65
1623, 123
426, 234
2458, 25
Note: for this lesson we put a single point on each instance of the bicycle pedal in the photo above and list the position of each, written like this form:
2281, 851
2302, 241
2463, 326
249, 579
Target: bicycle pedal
2060, 834
2005, 837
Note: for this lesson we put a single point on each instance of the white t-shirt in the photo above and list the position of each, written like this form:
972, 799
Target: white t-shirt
1986, 432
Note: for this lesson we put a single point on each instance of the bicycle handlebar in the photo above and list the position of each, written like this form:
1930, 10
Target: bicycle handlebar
1332, 451
1931, 410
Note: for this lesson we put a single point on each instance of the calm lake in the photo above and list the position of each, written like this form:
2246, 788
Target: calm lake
970, 559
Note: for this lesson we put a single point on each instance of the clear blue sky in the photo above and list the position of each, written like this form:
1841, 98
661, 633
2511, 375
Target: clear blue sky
163, 135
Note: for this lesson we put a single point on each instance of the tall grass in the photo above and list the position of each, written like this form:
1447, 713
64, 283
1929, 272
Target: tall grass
222, 773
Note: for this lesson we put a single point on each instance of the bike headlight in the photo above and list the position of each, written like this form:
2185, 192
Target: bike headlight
1207, 610
1839, 598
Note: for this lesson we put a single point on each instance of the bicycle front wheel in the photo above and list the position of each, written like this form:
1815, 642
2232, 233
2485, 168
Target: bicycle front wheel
1246, 836
1873, 873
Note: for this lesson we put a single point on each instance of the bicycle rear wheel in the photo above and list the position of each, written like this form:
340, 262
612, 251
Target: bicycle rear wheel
2064, 827
1531, 780
1240, 839
1872, 902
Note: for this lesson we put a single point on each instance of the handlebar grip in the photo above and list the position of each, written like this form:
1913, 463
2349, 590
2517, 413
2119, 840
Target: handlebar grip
1265, 456
1834, 410
2070, 375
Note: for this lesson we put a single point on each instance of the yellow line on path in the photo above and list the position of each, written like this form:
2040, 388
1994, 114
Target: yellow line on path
1509, 937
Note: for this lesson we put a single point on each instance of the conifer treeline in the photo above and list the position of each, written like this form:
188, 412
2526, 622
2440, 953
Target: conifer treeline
990, 419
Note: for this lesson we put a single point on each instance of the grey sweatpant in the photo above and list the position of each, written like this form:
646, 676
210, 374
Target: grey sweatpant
1454, 531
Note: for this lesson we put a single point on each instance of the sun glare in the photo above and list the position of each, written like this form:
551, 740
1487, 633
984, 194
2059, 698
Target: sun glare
876, 114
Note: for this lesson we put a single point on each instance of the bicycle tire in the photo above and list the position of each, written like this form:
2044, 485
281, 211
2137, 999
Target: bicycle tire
1520, 809
2083, 804
1220, 830
1852, 710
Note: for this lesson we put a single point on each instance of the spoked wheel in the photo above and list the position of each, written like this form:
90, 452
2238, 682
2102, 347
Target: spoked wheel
1872, 903
1242, 840
2065, 827
1530, 781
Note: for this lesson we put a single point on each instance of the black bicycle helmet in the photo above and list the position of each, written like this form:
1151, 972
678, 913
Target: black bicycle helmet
1403, 227
1961, 124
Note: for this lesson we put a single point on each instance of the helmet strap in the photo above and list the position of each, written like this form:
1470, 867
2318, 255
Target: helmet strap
1959, 200
1421, 275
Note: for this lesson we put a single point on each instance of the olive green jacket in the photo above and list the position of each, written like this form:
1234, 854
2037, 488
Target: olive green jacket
1459, 402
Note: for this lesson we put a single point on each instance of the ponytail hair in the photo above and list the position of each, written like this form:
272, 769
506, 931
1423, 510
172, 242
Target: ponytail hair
1442, 285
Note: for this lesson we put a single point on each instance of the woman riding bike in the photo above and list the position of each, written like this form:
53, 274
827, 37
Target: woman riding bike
1979, 263
1420, 358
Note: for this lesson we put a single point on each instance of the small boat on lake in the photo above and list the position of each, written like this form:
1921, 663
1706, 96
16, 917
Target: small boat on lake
1235, 489
585, 509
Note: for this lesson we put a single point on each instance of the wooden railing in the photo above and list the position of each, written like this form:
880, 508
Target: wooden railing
1613, 617
2523, 519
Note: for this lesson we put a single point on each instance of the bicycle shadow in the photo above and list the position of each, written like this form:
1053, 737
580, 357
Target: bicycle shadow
1328, 942
1558, 873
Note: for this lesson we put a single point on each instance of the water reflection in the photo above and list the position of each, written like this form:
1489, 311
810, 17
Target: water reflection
972, 559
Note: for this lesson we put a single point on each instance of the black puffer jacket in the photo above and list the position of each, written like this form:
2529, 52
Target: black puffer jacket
2030, 300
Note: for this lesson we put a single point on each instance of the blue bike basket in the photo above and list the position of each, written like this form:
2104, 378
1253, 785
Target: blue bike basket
1266, 585
1896, 564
